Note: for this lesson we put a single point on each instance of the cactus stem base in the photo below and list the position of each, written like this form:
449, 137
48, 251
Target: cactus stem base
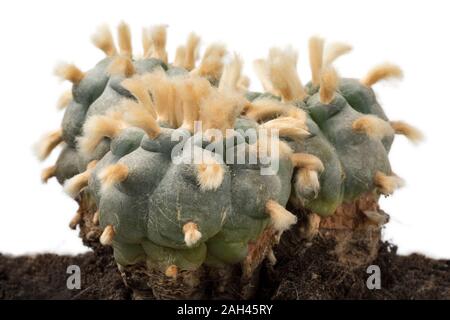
357, 235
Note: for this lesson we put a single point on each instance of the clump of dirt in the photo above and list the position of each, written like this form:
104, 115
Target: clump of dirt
304, 271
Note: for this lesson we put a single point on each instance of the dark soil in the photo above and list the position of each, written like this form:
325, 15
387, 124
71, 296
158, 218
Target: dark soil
44, 277
302, 272
312, 272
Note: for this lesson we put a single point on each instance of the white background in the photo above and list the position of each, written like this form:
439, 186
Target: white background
35, 35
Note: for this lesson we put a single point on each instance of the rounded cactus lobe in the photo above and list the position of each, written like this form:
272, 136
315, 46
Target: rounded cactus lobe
147, 65
93, 83
178, 200
128, 141
161, 258
360, 97
102, 148
251, 191
311, 89
94, 184
360, 155
320, 112
127, 254
72, 122
227, 148
166, 141
176, 71
108, 99
151, 145
243, 156
363, 99
251, 96
254, 183
67, 164
230, 245
331, 191
115, 82
284, 174
146, 170
221, 253
243, 124
125, 213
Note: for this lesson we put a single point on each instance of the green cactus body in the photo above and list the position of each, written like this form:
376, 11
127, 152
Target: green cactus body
352, 148
157, 205
332, 179
150, 207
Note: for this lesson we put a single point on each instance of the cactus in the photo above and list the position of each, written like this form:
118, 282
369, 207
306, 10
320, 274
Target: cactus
173, 200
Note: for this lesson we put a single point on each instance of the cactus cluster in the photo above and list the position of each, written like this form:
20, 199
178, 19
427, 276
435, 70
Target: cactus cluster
130, 137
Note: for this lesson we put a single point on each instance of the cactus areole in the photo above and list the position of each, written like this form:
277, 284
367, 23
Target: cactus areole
186, 170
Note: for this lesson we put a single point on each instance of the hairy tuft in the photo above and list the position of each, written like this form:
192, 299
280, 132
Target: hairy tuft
147, 44
171, 271
413, 134
307, 184
387, 184
373, 126
74, 185
219, 111
121, 65
69, 72
180, 57
64, 100
231, 75
47, 144
192, 91
261, 68
124, 36
211, 65
48, 173
283, 74
138, 89
108, 235
158, 36
191, 234
165, 97
210, 173
334, 51
328, 85
382, 72
243, 83
307, 161
315, 59
191, 51
267, 109
287, 127
112, 175
281, 219
103, 40
139, 117
96, 128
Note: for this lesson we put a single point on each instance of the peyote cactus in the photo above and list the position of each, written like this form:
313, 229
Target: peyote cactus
153, 153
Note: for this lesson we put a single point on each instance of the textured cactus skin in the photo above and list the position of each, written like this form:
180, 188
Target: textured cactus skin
94, 95
331, 180
149, 208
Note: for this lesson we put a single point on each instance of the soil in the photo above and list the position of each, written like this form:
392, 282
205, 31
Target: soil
308, 271
44, 277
